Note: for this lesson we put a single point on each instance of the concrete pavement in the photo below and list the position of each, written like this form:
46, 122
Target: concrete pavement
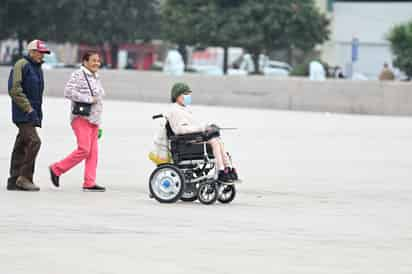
322, 193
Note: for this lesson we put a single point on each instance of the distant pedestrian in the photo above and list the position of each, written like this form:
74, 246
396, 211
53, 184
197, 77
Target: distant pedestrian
316, 71
386, 73
26, 84
174, 64
339, 73
86, 92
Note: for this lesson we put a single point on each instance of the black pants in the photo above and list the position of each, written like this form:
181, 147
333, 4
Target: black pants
26, 148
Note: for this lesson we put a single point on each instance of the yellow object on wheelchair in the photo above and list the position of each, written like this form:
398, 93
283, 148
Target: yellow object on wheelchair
159, 160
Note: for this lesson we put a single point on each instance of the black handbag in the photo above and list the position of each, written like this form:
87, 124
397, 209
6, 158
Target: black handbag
80, 108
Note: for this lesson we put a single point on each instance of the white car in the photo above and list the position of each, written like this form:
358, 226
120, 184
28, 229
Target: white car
206, 70
51, 61
272, 68
267, 67
276, 68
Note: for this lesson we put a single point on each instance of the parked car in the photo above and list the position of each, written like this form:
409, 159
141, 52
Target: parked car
205, 70
276, 68
51, 61
245, 65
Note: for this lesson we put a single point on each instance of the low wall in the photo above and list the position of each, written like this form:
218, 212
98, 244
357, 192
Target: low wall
364, 97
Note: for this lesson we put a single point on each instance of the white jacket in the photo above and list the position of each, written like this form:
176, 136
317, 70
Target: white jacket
77, 90
181, 120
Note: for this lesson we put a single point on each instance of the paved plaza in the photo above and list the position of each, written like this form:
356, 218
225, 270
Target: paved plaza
322, 193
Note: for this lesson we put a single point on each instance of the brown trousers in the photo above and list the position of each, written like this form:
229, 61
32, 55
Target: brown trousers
26, 148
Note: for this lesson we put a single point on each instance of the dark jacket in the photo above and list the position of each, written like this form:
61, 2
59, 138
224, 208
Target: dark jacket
25, 87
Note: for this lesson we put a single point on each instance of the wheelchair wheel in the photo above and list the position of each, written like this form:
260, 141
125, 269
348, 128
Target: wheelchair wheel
226, 193
166, 184
207, 193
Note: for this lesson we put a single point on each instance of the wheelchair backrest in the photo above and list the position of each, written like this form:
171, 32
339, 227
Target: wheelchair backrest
169, 131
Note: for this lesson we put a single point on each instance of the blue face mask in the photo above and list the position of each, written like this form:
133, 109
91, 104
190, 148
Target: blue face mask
187, 99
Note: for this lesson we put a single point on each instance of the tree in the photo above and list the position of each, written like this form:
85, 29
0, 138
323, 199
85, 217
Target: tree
254, 25
18, 20
99, 22
201, 23
5, 32
105, 22
27, 20
281, 24
81, 21
400, 38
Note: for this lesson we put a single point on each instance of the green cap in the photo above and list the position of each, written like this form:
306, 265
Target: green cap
179, 89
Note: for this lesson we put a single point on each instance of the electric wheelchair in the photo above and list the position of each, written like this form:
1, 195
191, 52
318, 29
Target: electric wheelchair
191, 173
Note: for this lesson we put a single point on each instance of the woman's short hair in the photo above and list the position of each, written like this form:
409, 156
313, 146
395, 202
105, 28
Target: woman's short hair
87, 54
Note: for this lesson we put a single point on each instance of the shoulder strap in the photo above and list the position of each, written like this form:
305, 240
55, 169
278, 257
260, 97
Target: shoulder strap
87, 80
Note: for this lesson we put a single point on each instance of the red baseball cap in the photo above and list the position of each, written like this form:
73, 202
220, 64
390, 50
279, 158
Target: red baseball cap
38, 45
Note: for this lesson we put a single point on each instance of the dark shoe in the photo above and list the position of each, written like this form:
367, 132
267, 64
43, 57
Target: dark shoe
54, 178
95, 188
233, 174
11, 184
223, 176
25, 184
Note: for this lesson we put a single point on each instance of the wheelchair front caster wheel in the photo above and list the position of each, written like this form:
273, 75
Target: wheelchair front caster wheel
208, 193
226, 193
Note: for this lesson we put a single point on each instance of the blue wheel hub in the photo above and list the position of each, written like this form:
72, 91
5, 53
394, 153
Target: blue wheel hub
166, 183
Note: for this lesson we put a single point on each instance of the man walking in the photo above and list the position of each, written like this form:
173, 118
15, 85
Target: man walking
386, 73
25, 87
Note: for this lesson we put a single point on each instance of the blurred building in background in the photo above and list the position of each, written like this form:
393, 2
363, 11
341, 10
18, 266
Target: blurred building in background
367, 21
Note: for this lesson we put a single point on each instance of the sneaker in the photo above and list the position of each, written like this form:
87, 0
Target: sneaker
95, 188
11, 184
25, 184
54, 178
223, 176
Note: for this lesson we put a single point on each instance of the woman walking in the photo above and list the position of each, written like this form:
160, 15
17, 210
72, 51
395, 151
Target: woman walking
86, 92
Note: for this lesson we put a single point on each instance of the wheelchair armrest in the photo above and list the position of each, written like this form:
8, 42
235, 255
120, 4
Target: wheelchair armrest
194, 137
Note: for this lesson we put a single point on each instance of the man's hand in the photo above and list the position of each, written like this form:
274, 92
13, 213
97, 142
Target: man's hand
33, 117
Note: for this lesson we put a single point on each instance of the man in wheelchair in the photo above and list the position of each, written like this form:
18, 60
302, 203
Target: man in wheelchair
182, 123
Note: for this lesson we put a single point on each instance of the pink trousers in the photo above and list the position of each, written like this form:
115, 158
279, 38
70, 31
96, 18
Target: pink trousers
87, 149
